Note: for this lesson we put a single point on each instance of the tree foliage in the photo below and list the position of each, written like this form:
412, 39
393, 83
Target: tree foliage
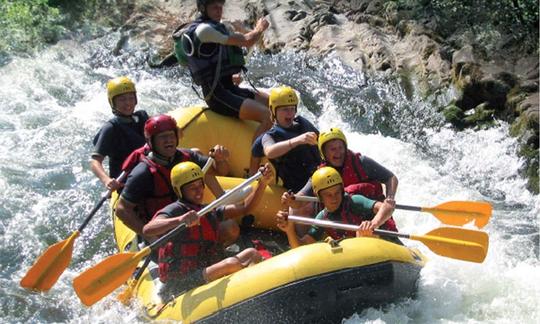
25, 24
517, 20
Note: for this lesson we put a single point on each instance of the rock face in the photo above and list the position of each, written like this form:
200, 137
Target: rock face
373, 36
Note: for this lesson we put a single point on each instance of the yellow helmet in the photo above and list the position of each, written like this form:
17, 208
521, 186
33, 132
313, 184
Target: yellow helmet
332, 134
184, 173
118, 86
282, 96
325, 177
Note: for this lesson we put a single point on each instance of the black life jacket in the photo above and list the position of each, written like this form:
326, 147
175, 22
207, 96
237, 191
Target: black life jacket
206, 61
128, 137
296, 166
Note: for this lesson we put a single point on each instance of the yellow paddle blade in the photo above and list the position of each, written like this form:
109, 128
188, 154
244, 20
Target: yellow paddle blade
456, 243
459, 213
50, 265
125, 295
100, 280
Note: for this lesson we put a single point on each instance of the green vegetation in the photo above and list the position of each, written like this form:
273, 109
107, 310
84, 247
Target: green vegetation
512, 22
26, 25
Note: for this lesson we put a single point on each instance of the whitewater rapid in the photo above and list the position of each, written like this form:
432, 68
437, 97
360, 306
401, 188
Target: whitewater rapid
53, 104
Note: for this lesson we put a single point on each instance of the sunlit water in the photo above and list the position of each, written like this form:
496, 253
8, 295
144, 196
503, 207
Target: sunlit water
54, 103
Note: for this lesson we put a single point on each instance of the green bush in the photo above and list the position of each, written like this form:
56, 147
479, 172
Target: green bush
24, 25
517, 19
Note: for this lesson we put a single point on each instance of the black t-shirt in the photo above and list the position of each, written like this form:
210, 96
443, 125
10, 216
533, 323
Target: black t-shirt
140, 182
118, 138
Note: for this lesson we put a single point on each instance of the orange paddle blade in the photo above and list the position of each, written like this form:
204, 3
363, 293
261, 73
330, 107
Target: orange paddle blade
462, 212
457, 243
100, 280
50, 265
125, 295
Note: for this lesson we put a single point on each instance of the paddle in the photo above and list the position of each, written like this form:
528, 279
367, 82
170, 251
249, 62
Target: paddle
52, 263
127, 293
455, 213
452, 242
100, 280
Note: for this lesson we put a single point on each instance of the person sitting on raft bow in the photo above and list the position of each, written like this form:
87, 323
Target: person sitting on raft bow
361, 174
194, 256
215, 58
119, 136
148, 187
338, 206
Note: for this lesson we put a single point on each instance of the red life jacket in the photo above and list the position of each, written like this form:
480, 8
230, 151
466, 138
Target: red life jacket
163, 193
135, 157
357, 182
190, 250
348, 217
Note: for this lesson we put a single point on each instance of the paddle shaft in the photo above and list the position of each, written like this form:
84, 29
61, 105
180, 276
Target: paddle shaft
104, 197
206, 209
411, 208
315, 199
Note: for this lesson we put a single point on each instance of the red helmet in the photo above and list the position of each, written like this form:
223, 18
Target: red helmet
158, 124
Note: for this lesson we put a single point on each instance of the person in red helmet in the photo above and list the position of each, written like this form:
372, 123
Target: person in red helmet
148, 187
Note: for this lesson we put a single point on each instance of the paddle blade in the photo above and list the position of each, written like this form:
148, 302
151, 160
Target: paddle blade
459, 213
102, 279
50, 265
125, 295
456, 243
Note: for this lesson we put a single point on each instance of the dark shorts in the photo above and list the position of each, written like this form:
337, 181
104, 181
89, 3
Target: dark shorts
227, 98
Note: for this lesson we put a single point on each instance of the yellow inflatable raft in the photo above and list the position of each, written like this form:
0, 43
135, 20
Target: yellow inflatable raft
322, 282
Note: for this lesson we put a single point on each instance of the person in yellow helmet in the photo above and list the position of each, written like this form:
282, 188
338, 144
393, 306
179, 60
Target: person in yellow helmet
195, 256
361, 174
291, 143
339, 207
119, 136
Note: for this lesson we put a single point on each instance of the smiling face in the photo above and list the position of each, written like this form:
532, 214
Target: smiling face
335, 152
193, 192
125, 103
285, 116
165, 143
214, 11
331, 197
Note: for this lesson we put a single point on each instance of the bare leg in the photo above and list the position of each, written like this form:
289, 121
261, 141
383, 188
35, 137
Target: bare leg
230, 265
254, 110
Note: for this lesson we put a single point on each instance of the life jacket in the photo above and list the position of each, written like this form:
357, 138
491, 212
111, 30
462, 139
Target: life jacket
189, 250
355, 179
348, 217
296, 166
357, 182
135, 157
163, 193
207, 60
127, 137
